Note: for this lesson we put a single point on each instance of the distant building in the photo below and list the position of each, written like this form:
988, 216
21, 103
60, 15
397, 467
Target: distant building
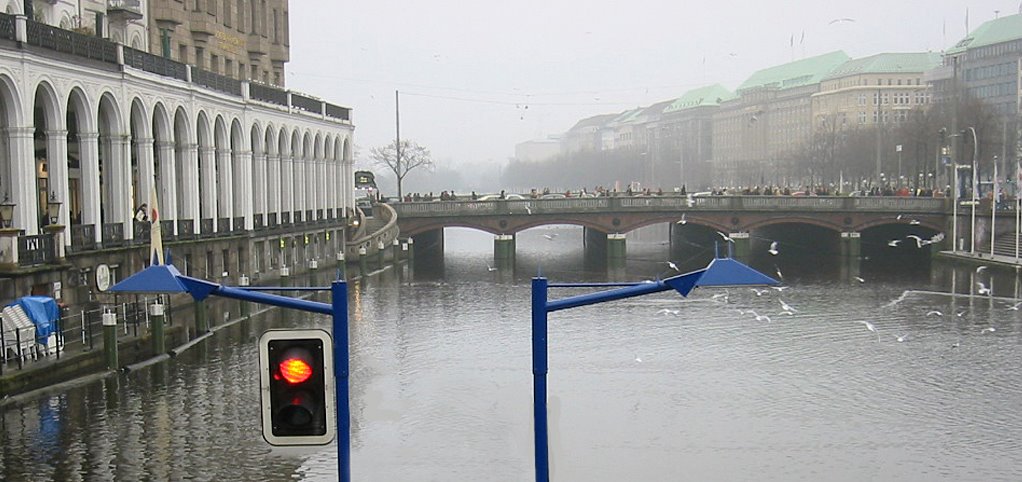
586, 134
537, 150
878, 89
986, 64
684, 133
116, 20
755, 133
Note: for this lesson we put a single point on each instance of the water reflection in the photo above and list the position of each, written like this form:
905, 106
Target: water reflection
441, 384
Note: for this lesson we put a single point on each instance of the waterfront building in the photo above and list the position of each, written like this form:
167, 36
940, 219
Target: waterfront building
684, 133
250, 178
756, 132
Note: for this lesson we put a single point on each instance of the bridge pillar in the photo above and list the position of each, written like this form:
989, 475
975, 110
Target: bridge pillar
851, 252
503, 248
742, 248
616, 247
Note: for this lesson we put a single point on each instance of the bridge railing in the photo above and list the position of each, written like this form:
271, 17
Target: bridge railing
672, 203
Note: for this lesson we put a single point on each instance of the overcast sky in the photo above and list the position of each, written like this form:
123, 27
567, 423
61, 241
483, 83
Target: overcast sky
478, 77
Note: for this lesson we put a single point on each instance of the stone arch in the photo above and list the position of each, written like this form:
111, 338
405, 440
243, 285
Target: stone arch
142, 164
83, 173
11, 117
186, 160
284, 160
48, 150
222, 162
207, 176
306, 182
136, 41
114, 181
164, 171
241, 169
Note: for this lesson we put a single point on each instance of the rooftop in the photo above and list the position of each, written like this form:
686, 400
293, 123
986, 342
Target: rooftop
1004, 29
889, 63
594, 121
710, 95
802, 72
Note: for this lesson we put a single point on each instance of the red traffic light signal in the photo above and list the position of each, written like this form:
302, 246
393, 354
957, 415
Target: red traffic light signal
297, 383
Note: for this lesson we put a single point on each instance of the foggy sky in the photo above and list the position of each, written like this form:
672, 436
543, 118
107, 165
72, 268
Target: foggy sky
467, 70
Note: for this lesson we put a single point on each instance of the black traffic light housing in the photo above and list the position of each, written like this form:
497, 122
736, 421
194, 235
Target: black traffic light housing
297, 383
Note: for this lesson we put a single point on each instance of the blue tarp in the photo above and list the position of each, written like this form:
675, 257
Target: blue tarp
44, 313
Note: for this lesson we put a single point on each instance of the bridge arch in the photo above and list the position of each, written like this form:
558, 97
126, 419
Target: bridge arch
773, 221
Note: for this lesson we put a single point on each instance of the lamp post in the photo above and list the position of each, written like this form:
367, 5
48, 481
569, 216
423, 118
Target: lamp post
53, 208
975, 187
720, 272
7, 212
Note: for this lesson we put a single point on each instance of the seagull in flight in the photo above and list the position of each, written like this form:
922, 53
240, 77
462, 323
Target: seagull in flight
666, 311
637, 359
902, 338
726, 237
670, 264
690, 201
720, 296
894, 243
758, 292
760, 317
682, 221
870, 327
773, 248
979, 269
860, 280
919, 241
528, 210
989, 329
779, 275
780, 288
983, 290
840, 20
490, 268
1015, 306
787, 307
914, 222
934, 312
550, 236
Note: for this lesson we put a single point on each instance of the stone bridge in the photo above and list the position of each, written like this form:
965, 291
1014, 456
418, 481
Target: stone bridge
606, 219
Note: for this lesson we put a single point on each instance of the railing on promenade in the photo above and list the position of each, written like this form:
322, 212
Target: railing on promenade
671, 203
7, 27
155, 64
37, 249
75, 331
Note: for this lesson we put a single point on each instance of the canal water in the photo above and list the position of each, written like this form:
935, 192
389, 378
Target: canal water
441, 381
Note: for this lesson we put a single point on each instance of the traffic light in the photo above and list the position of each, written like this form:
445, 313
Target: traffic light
296, 379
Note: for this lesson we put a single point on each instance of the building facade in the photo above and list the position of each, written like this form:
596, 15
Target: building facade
755, 133
249, 179
241, 39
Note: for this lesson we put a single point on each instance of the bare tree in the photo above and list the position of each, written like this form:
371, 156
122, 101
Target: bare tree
410, 157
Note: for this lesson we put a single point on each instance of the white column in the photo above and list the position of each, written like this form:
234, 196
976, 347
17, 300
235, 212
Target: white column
146, 176
225, 190
243, 200
24, 185
166, 189
56, 149
189, 192
88, 146
275, 184
259, 195
287, 204
208, 191
298, 184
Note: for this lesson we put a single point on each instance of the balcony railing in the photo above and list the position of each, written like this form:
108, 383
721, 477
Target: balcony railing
307, 104
273, 219
155, 64
216, 81
83, 237
285, 218
113, 235
185, 229
267, 94
338, 112
223, 225
7, 27
37, 249
141, 231
167, 229
238, 224
308, 216
206, 227
257, 221
66, 41
297, 217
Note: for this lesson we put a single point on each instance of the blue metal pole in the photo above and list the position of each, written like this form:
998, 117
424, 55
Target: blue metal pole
339, 293
539, 371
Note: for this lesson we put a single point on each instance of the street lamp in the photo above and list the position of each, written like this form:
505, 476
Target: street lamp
53, 208
720, 272
975, 187
6, 212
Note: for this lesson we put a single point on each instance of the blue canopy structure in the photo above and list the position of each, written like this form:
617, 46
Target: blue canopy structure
157, 278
